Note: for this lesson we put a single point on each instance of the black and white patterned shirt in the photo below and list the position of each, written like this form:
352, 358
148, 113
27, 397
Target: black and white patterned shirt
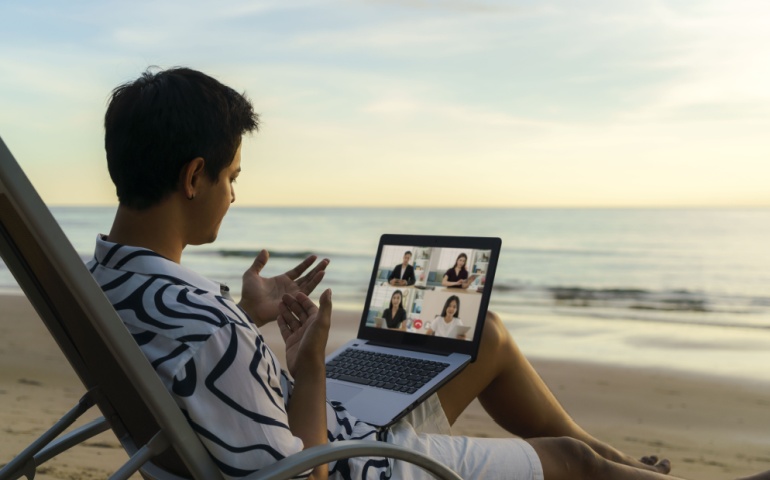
216, 365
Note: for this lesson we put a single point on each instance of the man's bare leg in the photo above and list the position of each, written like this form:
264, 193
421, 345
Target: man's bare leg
569, 459
758, 476
516, 397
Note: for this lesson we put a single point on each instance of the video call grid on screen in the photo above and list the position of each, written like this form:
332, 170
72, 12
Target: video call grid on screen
433, 302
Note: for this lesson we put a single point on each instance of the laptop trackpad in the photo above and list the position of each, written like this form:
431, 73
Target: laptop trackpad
342, 393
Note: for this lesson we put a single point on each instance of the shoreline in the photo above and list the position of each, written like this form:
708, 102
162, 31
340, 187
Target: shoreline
710, 427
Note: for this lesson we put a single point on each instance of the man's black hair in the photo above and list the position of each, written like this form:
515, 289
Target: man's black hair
164, 119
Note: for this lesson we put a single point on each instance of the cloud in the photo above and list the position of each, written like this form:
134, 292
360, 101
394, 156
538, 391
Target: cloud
711, 57
570, 89
454, 6
462, 114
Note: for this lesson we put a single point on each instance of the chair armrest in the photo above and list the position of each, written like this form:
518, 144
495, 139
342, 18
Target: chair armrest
314, 456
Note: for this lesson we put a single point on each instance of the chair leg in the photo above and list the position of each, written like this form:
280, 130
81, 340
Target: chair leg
71, 439
24, 463
157, 444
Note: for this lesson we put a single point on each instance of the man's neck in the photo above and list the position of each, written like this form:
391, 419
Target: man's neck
155, 228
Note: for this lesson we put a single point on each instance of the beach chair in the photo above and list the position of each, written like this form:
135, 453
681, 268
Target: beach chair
117, 377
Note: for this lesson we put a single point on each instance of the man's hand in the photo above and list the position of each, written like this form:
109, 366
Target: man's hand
260, 296
305, 329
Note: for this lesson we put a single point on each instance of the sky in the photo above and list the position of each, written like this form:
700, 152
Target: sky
453, 103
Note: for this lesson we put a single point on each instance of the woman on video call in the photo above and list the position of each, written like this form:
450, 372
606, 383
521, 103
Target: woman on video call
395, 314
444, 324
457, 276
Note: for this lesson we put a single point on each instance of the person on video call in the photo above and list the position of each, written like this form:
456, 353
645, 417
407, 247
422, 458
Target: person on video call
457, 276
173, 145
395, 314
443, 325
403, 273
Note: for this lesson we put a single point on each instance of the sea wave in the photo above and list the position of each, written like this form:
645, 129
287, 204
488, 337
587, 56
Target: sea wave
630, 299
273, 253
507, 287
702, 320
565, 251
634, 298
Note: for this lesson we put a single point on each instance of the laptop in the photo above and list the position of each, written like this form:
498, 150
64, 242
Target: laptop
417, 330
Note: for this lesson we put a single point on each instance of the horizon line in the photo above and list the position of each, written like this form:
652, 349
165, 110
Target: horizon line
466, 207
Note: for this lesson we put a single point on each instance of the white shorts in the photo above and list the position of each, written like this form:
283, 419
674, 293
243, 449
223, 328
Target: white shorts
427, 430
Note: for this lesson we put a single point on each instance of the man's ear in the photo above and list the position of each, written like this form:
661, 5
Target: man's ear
190, 176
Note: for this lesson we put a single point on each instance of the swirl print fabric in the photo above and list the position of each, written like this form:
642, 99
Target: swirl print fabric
214, 361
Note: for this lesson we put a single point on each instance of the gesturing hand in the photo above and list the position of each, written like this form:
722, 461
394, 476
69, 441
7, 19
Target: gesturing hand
304, 328
261, 296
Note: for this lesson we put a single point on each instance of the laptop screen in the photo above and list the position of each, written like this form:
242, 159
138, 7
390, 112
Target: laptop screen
430, 292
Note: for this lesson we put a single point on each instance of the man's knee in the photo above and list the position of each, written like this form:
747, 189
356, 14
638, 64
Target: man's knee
495, 335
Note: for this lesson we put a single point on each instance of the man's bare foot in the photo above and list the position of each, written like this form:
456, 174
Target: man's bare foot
648, 462
651, 463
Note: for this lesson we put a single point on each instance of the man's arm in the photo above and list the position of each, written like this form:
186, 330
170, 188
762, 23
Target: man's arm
257, 419
409, 277
305, 329
394, 274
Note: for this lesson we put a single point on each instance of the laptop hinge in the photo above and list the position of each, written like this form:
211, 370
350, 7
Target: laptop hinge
411, 348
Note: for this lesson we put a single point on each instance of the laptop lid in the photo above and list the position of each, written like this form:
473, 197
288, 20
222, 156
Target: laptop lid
443, 273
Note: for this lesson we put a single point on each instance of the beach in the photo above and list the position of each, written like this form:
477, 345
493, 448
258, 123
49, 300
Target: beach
709, 427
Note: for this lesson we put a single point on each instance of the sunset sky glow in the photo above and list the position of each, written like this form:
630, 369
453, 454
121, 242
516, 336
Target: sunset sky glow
418, 102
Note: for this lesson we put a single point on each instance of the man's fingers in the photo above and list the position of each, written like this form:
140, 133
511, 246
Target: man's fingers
302, 307
295, 272
283, 326
296, 312
325, 308
307, 305
259, 262
307, 285
300, 304
312, 276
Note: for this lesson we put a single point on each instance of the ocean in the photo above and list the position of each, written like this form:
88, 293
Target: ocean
686, 289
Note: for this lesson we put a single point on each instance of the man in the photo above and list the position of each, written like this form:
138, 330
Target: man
173, 144
403, 273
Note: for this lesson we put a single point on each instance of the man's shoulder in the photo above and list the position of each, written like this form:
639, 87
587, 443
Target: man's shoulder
126, 281
166, 301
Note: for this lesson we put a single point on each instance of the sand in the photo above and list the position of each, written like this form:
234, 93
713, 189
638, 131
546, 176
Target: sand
710, 428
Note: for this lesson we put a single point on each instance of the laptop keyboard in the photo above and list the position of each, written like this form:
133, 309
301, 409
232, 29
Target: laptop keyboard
381, 370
